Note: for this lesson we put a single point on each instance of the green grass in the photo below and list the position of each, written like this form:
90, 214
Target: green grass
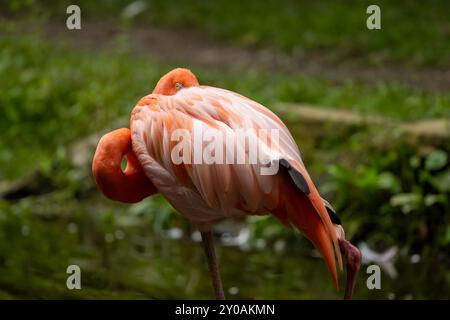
413, 32
337, 28
54, 95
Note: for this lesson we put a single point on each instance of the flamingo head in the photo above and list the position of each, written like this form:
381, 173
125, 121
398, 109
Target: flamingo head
174, 81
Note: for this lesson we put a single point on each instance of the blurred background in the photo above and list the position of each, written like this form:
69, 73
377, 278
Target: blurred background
370, 110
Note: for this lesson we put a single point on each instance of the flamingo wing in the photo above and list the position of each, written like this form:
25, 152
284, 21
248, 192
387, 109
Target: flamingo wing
206, 111
198, 110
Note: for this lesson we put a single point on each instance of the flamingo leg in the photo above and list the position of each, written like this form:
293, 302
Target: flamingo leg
208, 245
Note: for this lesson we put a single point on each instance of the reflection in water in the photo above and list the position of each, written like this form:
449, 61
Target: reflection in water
384, 259
273, 274
122, 257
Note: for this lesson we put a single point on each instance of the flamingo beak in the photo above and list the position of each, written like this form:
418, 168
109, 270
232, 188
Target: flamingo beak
353, 257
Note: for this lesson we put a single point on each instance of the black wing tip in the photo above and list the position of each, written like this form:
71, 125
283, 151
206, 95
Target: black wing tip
301, 183
296, 176
285, 163
333, 216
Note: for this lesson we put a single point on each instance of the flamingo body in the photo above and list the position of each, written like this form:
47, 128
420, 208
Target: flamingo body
206, 192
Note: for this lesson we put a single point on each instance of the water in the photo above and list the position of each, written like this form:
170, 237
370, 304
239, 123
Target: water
124, 257
180, 266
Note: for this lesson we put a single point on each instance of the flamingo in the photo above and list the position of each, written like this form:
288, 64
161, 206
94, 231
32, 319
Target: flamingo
207, 192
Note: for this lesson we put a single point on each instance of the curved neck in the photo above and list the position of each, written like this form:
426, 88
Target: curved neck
130, 185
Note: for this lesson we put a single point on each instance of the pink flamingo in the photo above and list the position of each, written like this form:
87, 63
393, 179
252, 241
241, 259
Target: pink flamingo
207, 192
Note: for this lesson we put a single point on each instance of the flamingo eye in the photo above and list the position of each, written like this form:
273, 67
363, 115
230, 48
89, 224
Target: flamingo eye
178, 86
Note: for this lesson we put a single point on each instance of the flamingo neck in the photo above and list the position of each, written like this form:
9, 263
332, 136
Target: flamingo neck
129, 185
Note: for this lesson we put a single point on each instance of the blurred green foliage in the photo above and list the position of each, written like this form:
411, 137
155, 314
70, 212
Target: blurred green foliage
52, 95
49, 102
399, 192
334, 29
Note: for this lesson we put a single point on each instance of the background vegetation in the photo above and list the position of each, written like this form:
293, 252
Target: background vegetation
55, 91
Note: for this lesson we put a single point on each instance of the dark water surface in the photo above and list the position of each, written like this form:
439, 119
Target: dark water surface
123, 256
